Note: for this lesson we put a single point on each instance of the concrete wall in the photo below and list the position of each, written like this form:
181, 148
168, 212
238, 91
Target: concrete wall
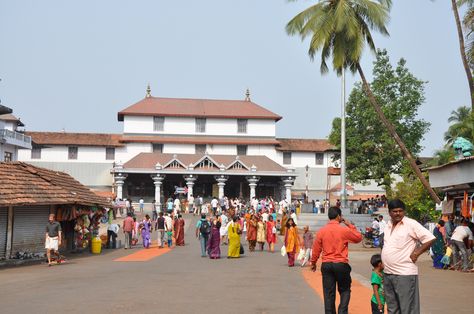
91, 174
187, 126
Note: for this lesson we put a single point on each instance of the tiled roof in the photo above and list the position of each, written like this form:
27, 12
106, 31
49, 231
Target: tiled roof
11, 118
149, 160
79, 139
183, 107
304, 145
24, 184
199, 140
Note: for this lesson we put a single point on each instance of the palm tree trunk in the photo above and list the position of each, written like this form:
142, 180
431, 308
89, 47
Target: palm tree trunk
398, 140
463, 51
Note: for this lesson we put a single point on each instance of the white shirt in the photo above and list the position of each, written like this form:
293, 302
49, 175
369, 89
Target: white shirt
265, 217
462, 232
382, 225
375, 224
191, 200
141, 201
168, 223
214, 202
114, 227
204, 209
224, 221
317, 204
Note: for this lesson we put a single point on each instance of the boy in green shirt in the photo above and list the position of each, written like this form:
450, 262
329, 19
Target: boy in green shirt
378, 299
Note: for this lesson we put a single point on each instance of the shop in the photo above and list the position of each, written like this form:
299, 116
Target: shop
29, 194
456, 180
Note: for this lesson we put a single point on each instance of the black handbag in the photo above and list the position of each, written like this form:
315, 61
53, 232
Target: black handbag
241, 249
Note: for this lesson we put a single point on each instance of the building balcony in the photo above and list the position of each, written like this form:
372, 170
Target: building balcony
15, 138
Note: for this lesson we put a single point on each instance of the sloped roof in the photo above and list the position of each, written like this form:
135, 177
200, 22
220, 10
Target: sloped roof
79, 139
304, 145
210, 108
11, 118
149, 160
24, 184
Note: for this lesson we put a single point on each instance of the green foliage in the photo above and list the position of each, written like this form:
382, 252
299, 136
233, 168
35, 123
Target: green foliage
443, 156
372, 154
419, 204
462, 125
340, 29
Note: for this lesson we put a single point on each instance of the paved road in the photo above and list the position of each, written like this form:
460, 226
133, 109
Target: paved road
177, 282
182, 282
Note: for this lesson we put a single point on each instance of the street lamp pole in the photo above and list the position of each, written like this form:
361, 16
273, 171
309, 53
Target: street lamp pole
343, 145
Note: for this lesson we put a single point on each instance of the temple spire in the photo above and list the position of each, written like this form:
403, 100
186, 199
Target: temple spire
247, 95
148, 91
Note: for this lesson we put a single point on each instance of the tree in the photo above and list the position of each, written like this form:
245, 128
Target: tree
340, 29
419, 205
372, 153
462, 46
462, 121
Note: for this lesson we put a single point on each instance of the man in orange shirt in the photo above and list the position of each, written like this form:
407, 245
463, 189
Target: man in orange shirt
333, 241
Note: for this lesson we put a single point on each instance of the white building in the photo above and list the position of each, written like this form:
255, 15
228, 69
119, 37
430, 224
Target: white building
205, 147
10, 137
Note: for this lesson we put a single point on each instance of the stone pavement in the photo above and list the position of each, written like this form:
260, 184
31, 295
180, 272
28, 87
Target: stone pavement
180, 281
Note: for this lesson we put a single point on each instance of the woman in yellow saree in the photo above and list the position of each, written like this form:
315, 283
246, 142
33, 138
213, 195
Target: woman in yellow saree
234, 232
292, 242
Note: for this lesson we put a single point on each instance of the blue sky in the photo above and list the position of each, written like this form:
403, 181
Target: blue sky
75, 64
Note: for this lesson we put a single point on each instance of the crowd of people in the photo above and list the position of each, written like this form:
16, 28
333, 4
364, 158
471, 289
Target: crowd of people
227, 222
454, 243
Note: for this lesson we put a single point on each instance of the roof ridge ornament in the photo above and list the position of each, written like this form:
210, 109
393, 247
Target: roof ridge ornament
148, 91
247, 95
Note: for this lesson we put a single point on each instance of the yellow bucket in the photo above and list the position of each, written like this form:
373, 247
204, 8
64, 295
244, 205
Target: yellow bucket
96, 245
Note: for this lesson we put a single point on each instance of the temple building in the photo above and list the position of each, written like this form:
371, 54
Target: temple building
193, 147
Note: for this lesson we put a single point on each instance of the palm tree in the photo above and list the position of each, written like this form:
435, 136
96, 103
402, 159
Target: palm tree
340, 29
462, 125
468, 23
462, 46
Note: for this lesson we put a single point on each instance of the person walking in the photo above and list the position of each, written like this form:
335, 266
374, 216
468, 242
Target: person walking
127, 227
214, 243
332, 241
160, 227
252, 233
141, 203
261, 233
292, 241
203, 229
223, 231
234, 232
145, 231
308, 241
169, 229
399, 255
53, 238
271, 234
179, 230
382, 226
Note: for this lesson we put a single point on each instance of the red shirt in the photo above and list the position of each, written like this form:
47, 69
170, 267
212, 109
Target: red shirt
128, 224
333, 241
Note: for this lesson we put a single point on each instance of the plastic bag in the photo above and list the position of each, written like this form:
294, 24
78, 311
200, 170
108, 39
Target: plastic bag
283, 251
300, 255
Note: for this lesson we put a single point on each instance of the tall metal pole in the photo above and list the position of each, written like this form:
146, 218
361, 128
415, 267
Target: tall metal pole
343, 145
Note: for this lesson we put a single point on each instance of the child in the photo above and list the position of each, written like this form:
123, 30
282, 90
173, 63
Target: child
378, 299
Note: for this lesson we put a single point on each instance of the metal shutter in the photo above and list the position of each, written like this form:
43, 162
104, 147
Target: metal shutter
29, 228
3, 231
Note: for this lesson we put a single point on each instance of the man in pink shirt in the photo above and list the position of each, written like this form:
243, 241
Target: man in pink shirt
399, 255
128, 225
